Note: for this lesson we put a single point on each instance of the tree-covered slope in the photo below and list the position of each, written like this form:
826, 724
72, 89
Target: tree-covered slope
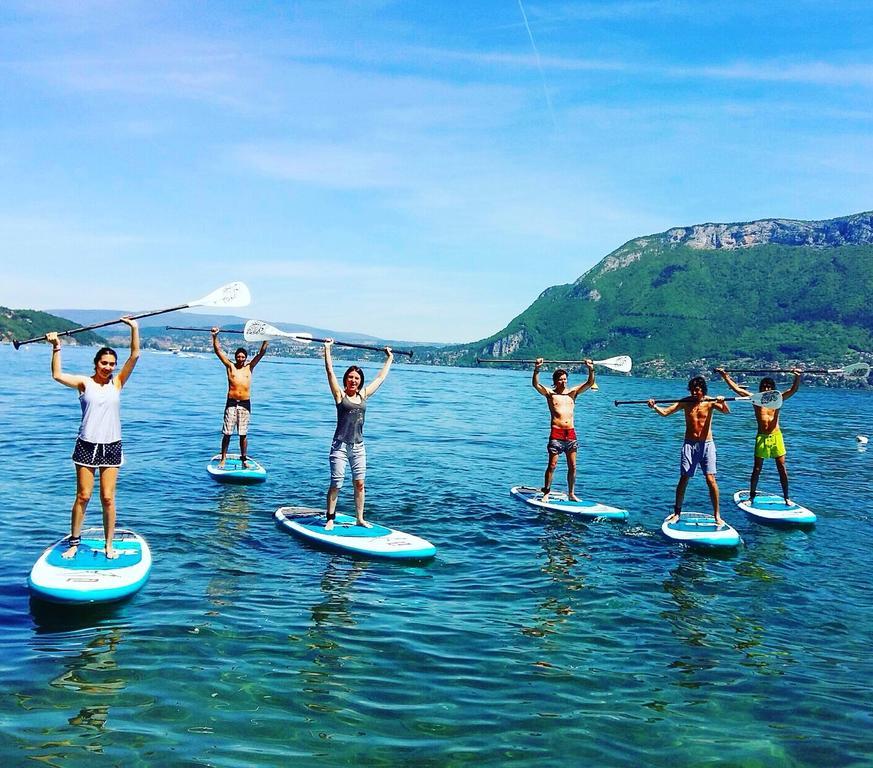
767, 290
23, 324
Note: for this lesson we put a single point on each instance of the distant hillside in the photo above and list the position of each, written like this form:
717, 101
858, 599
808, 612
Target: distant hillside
769, 290
154, 333
24, 324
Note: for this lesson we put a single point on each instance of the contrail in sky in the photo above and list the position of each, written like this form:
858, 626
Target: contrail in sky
539, 64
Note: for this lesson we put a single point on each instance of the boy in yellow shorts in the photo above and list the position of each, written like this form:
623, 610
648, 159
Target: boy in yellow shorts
769, 443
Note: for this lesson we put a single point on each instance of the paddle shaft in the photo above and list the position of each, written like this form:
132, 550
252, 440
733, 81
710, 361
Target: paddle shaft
363, 346
200, 330
84, 328
783, 370
529, 362
674, 400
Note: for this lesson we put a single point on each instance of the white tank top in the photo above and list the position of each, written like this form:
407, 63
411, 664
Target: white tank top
101, 412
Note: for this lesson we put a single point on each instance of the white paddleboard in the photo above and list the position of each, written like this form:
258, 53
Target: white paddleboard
234, 472
770, 508
89, 576
346, 536
559, 502
699, 529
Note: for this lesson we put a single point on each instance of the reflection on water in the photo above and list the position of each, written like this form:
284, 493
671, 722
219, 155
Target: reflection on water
232, 524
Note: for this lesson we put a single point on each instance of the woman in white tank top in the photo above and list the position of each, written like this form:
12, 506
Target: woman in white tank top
98, 445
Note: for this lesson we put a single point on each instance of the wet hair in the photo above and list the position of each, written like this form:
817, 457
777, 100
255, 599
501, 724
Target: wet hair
105, 351
697, 381
241, 349
766, 383
557, 375
354, 369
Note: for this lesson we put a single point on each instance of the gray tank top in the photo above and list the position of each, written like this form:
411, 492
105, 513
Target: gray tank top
350, 420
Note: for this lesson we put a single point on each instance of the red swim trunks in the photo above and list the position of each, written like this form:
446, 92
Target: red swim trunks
559, 433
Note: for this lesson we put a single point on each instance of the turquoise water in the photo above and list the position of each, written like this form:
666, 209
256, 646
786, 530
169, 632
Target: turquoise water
532, 638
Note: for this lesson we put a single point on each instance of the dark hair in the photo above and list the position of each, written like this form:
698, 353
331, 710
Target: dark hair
766, 383
241, 349
105, 351
557, 374
697, 381
353, 368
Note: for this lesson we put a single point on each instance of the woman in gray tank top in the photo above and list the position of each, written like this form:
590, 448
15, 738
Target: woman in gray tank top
348, 438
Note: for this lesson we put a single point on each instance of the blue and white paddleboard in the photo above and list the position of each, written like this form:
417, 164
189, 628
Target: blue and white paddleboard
559, 502
770, 508
699, 529
234, 472
346, 536
89, 576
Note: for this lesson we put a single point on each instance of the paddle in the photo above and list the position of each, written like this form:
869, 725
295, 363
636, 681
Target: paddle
621, 363
200, 330
861, 370
230, 295
258, 330
770, 398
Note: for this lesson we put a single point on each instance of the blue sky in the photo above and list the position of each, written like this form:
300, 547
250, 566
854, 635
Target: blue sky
413, 170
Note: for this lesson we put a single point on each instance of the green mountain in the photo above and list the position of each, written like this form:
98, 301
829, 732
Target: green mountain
772, 290
24, 324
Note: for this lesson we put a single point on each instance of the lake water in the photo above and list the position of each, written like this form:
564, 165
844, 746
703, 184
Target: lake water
532, 639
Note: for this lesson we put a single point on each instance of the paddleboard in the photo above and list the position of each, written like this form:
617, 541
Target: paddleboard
90, 577
346, 536
559, 502
233, 470
770, 508
699, 529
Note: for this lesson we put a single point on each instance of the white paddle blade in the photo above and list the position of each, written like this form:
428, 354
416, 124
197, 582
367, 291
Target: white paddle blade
621, 363
258, 330
769, 398
231, 295
859, 370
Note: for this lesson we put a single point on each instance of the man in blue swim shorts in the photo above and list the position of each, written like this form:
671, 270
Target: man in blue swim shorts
698, 449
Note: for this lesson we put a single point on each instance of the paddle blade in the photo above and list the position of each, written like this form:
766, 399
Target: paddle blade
770, 398
258, 330
856, 370
231, 295
621, 363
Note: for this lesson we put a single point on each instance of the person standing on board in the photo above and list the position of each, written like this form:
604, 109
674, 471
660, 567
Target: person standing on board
698, 449
348, 438
768, 442
238, 408
98, 445
562, 438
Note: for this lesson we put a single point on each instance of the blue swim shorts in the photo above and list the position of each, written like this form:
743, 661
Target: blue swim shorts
697, 453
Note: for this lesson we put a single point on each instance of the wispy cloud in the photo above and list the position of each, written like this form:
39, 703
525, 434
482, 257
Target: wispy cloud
331, 166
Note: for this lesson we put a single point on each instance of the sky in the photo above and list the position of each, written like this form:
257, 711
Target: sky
411, 170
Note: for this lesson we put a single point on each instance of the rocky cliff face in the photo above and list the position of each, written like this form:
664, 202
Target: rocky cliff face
847, 230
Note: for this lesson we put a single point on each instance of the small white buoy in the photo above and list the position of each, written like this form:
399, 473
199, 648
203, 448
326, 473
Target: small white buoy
862, 439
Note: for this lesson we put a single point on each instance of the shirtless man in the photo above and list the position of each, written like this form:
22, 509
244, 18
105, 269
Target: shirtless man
562, 438
237, 410
698, 449
768, 442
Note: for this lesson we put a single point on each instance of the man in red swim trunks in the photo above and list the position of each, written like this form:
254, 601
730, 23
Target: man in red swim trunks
562, 439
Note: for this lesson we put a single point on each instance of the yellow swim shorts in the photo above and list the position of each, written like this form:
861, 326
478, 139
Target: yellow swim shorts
770, 446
